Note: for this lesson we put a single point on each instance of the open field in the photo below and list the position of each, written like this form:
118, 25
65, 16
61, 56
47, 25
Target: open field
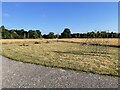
95, 59
106, 41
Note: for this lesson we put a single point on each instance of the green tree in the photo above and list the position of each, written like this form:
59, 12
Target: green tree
20, 33
51, 35
5, 33
34, 34
13, 34
30, 33
66, 33
39, 33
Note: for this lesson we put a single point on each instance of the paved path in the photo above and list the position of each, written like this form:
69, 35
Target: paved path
24, 75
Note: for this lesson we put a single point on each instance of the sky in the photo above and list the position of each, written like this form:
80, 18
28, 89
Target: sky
47, 17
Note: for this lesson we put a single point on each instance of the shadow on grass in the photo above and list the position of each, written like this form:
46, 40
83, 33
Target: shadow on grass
92, 53
92, 44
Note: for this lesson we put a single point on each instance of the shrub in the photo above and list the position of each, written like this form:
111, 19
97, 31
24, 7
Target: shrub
37, 43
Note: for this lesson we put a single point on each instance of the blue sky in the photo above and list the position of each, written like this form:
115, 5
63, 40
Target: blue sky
55, 16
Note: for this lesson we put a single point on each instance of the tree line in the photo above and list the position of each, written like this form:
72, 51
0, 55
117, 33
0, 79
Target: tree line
34, 34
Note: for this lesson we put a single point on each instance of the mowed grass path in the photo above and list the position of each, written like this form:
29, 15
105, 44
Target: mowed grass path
95, 59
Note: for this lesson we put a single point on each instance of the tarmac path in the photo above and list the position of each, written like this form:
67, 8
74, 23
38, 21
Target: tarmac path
24, 75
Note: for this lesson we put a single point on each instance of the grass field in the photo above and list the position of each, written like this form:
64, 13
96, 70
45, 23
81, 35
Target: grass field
107, 41
95, 59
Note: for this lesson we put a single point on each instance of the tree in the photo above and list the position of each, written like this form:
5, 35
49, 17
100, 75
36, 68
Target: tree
45, 36
25, 34
35, 34
13, 34
5, 33
74, 35
66, 33
56, 36
31, 34
2, 27
21, 33
39, 33
51, 35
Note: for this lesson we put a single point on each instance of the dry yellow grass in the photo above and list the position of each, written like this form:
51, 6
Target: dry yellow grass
10, 41
106, 41
101, 60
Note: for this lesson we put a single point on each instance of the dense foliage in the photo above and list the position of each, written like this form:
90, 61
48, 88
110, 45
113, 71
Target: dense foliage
19, 34
66, 33
33, 34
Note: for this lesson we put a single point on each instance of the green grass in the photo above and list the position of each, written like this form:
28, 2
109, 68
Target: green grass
95, 59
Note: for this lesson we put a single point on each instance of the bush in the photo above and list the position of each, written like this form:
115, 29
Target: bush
37, 43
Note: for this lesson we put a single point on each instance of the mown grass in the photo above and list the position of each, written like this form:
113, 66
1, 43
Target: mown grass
95, 59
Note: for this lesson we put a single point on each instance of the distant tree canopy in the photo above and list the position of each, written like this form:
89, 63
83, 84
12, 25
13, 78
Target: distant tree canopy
19, 34
51, 35
66, 33
33, 34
